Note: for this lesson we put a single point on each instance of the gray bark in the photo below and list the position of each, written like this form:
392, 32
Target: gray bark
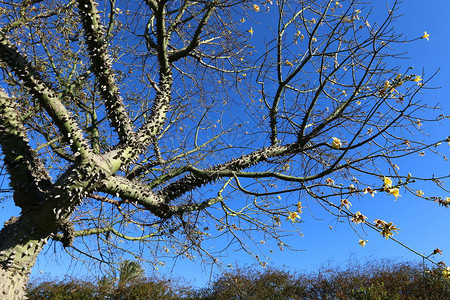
20, 244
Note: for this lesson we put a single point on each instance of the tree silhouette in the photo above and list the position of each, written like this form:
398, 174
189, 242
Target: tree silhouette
129, 272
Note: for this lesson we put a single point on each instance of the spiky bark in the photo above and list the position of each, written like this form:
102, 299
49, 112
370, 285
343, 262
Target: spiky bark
12, 284
21, 241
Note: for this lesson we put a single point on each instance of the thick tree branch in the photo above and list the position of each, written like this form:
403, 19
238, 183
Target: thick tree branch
46, 96
103, 230
135, 192
148, 132
28, 176
193, 181
102, 68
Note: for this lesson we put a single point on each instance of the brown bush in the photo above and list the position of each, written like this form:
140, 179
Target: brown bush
371, 281
68, 289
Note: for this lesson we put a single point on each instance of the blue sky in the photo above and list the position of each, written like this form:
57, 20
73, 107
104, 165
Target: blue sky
423, 224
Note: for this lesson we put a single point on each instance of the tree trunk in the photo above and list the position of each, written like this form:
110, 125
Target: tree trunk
12, 284
20, 243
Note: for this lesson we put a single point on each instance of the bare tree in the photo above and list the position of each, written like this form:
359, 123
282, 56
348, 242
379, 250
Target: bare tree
170, 122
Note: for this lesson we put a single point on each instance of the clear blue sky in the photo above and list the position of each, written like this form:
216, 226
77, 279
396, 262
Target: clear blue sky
423, 225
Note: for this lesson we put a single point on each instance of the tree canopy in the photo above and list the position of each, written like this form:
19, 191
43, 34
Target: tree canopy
171, 123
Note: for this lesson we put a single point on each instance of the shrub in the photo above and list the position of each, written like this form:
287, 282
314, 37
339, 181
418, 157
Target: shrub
380, 280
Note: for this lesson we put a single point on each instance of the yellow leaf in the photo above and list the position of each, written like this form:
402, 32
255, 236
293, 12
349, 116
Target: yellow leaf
446, 273
346, 203
369, 190
395, 192
299, 207
358, 217
418, 78
255, 7
387, 181
336, 144
352, 188
329, 181
293, 216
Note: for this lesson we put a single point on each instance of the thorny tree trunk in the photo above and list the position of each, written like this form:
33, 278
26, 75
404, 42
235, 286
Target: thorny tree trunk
12, 284
20, 244
22, 238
